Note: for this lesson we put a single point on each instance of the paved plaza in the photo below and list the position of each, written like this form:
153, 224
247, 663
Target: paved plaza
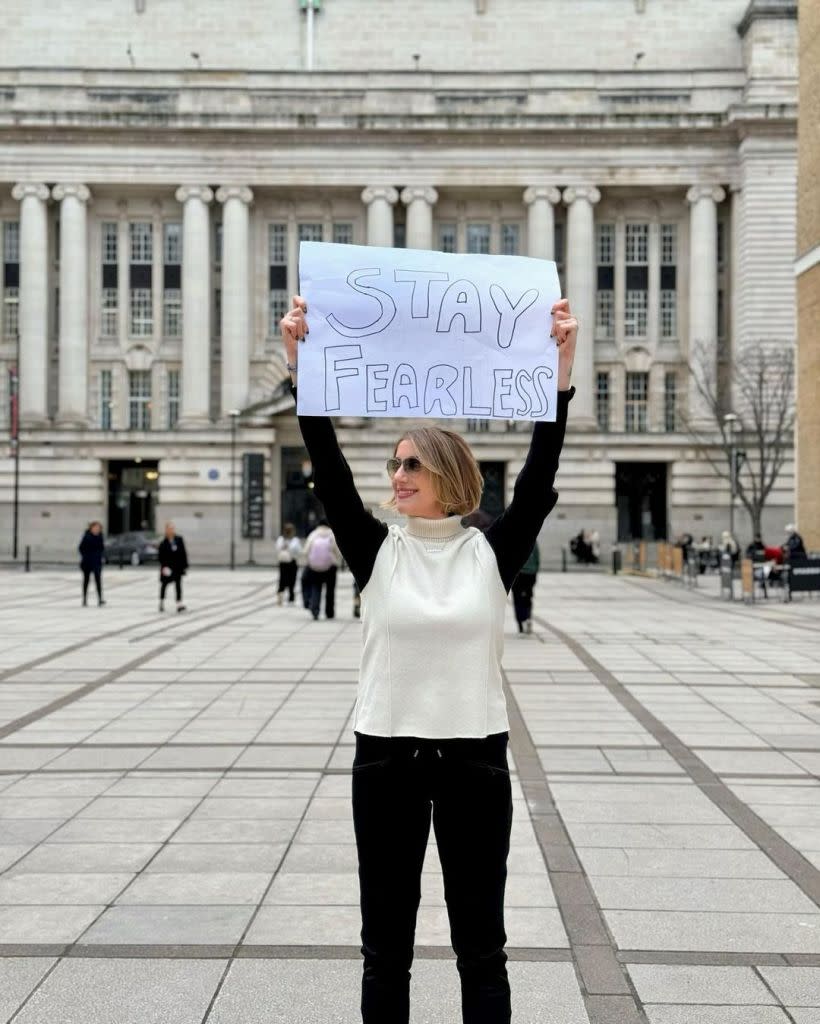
176, 842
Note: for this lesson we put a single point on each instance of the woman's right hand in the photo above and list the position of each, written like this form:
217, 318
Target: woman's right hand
294, 328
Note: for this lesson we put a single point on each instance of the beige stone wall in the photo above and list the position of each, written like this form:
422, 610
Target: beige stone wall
808, 283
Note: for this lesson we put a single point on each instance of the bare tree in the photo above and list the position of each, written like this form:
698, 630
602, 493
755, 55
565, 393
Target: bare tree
761, 380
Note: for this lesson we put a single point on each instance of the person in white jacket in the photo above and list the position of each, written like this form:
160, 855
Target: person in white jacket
288, 548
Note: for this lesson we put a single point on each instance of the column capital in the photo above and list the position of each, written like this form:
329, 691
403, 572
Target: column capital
540, 192
226, 192
81, 192
186, 192
386, 192
713, 192
30, 188
412, 192
588, 192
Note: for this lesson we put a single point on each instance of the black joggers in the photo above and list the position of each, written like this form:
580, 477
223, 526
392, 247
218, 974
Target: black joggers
463, 785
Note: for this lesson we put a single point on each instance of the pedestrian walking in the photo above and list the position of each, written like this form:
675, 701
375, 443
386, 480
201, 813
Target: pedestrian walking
91, 548
522, 589
323, 560
288, 548
173, 564
430, 720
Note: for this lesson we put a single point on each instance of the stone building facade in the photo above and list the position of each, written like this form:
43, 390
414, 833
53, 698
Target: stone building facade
807, 271
158, 169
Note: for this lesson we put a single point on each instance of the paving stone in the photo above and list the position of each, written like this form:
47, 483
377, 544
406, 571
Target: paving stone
124, 991
58, 889
657, 983
680, 930
715, 1015
219, 857
18, 977
711, 864
205, 925
795, 986
207, 888
45, 924
718, 894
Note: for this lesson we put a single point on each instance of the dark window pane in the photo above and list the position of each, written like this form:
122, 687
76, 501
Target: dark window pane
172, 275
637, 279
140, 275
278, 277
669, 277
11, 275
606, 278
109, 275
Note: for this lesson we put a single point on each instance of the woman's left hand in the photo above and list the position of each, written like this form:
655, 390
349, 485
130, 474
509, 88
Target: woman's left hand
565, 332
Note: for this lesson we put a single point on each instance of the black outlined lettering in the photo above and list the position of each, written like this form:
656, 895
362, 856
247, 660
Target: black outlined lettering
525, 395
460, 299
376, 376
509, 313
440, 378
470, 409
387, 307
541, 391
419, 297
405, 387
338, 364
502, 388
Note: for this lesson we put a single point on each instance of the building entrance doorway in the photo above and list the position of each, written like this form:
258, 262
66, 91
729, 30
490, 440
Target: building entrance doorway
640, 496
133, 487
300, 505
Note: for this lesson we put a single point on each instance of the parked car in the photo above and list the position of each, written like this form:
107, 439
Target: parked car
134, 548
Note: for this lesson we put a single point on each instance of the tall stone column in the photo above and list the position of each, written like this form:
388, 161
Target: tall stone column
235, 297
33, 295
580, 263
419, 202
380, 200
703, 325
540, 200
72, 391
196, 305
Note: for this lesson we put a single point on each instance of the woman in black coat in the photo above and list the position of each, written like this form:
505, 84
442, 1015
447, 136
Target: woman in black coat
173, 564
91, 559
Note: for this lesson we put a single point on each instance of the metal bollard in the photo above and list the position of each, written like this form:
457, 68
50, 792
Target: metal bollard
563, 559
616, 561
120, 558
28, 558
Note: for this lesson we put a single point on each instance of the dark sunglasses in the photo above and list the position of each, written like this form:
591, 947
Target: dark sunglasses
410, 465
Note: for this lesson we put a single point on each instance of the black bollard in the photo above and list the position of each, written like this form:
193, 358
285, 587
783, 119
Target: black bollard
28, 558
616, 561
120, 558
563, 559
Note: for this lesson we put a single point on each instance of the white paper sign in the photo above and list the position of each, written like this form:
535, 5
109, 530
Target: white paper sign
408, 332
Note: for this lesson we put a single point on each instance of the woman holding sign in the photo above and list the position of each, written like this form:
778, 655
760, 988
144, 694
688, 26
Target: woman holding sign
431, 722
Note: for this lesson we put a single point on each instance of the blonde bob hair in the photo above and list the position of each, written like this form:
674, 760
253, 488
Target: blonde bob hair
456, 478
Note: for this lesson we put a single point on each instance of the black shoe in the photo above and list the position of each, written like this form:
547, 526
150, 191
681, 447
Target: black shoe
161, 606
100, 604
180, 607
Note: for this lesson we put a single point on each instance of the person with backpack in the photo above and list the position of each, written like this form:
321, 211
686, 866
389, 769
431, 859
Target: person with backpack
323, 559
430, 721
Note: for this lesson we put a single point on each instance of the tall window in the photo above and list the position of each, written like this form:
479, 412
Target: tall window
637, 395
447, 237
669, 280
172, 280
139, 399
310, 232
670, 401
109, 283
216, 322
173, 398
722, 282
11, 278
343, 233
478, 238
559, 238
602, 396
605, 295
106, 400
277, 275
510, 240
637, 280
141, 237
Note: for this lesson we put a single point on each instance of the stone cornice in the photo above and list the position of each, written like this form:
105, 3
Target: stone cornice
766, 9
